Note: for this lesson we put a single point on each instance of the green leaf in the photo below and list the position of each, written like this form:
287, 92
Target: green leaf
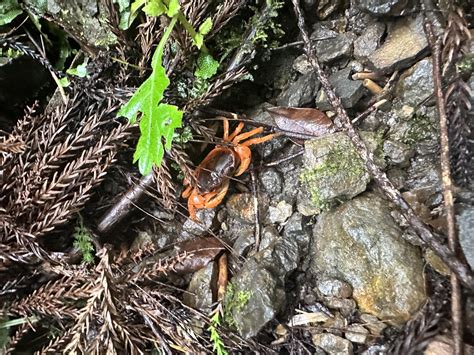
80, 70
198, 40
154, 8
158, 120
136, 5
206, 66
205, 27
9, 9
64, 82
173, 8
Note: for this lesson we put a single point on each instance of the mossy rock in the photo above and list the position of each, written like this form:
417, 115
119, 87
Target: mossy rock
333, 171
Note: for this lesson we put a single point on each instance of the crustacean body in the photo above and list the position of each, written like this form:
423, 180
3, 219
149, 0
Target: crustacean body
222, 163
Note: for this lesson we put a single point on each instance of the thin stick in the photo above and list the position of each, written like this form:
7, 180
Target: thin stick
453, 241
463, 272
255, 207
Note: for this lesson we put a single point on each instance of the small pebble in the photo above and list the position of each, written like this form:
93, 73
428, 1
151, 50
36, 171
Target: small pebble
357, 333
333, 344
334, 288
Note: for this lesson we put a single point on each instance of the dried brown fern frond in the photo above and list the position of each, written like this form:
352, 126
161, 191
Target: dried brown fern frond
100, 328
181, 158
458, 96
225, 12
165, 185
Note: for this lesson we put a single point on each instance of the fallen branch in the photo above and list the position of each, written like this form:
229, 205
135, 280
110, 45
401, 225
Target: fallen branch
453, 241
343, 121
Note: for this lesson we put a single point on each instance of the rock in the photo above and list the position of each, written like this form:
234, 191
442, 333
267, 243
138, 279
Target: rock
332, 171
405, 43
424, 173
465, 222
266, 298
368, 41
373, 324
271, 180
356, 333
436, 263
383, 7
416, 83
245, 240
280, 213
297, 229
300, 93
199, 293
345, 306
302, 65
240, 206
360, 243
205, 218
348, 90
330, 45
332, 344
397, 153
264, 275
334, 288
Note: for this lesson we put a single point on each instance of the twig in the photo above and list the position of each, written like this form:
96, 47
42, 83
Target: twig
463, 272
255, 207
453, 241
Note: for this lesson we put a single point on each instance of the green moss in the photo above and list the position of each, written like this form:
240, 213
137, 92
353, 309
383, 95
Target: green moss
338, 160
420, 128
234, 302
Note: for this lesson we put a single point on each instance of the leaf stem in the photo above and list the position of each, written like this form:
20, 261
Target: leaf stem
187, 25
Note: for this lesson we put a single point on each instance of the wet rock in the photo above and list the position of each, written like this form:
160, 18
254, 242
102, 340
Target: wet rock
199, 293
416, 83
405, 42
291, 182
241, 207
466, 230
383, 7
296, 229
204, 223
368, 41
397, 153
271, 180
280, 213
333, 171
332, 344
300, 93
302, 65
424, 173
373, 324
357, 333
327, 7
360, 243
269, 236
245, 240
436, 263
348, 90
267, 297
334, 288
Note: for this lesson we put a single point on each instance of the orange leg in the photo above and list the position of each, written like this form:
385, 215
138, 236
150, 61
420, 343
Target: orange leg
238, 129
226, 128
246, 135
259, 140
217, 196
191, 209
245, 156
187, 192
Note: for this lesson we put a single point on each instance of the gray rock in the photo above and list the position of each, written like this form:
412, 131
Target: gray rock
360, 243
330, 45
267, 297
300, 93
264, 275
356, 333
296, 229
368, 41
348, 90
271, 180
332, 344
245, 240
199, 293
302, 65
280, 213
204, 223
416, 83
466, 232
332, 171
383, 7
405, 43
424, 173
398, 153
334, 288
